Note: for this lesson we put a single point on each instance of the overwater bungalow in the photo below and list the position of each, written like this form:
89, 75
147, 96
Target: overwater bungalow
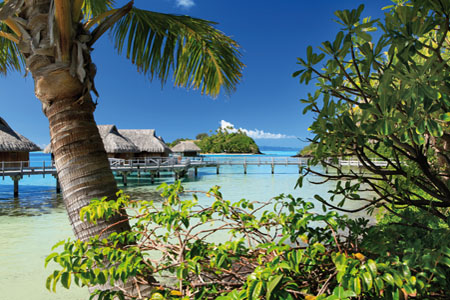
148, 143
186, 148
14, 147
116, 145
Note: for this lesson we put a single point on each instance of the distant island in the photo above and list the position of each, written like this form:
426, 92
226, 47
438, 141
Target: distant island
224, 142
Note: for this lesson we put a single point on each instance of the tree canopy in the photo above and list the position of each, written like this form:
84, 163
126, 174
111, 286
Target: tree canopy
382, 97
191, 50
228, 142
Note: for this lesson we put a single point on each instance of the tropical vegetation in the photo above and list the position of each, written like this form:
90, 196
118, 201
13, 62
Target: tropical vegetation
385, 103
53, 41
224, 141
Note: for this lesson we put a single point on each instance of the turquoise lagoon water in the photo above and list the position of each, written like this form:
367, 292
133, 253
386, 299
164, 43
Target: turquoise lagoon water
32, 223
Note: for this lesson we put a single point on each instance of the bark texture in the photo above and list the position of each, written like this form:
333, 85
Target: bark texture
63, 84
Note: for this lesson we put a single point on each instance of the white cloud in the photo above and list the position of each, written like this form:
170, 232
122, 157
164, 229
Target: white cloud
255, 133
185, 3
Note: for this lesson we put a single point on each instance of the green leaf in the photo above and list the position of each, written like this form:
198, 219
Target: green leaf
65, 279
421, 127
367, 279
272, 285
445, 117
386, 127
309, 53
434, 128
357, 285
50, 257
388, 278
372, 267
197, 55
48, 282
257, 290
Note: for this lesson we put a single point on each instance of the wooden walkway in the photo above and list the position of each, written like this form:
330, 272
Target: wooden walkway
154, 165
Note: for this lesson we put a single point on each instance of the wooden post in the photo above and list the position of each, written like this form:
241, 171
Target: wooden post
273, 166
124, 178
217, 169
245, 165
58, 186
152, 177
195, 172
16, 185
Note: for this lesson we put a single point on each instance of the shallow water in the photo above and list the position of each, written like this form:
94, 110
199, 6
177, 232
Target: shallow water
32, 223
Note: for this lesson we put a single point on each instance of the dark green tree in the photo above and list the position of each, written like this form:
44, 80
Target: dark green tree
224, 141
201, 136
386, 103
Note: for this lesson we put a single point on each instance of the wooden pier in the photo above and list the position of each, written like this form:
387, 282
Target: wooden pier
154, 165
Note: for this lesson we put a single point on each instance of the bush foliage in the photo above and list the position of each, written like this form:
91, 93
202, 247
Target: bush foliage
282, 249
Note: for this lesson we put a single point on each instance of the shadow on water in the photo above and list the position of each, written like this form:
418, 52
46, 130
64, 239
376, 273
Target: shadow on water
32, 201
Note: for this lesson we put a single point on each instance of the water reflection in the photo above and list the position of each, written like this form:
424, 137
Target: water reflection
32, 201
39, 200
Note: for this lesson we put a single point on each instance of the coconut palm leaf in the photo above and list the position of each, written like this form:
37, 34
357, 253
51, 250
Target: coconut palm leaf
192, 50
93, 8
10, 57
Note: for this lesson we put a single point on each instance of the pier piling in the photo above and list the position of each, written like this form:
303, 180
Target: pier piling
152, 177
16, 185
58, 186
125, 178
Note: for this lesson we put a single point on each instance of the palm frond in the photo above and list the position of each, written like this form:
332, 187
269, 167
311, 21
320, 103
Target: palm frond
10, 57
93, 8
197, 55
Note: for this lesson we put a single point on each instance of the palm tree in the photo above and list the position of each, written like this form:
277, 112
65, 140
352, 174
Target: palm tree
53, 40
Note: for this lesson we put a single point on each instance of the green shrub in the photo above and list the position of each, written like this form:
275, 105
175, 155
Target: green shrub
282, 249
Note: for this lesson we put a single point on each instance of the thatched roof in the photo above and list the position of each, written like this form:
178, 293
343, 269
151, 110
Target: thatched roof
114, 142
186, 146
11, 141
146, 140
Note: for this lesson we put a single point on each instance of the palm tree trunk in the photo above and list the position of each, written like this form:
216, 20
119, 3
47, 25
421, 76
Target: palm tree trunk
63, 83
80, 158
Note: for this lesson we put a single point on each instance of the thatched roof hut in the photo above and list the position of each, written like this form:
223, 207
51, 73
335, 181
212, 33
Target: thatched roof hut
116, 145
147, 142
14, 146
186, 148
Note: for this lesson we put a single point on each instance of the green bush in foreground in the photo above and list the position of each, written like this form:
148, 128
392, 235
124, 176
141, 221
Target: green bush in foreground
281, 249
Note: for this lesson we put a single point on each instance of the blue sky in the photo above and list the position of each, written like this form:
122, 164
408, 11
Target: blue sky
272, 35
